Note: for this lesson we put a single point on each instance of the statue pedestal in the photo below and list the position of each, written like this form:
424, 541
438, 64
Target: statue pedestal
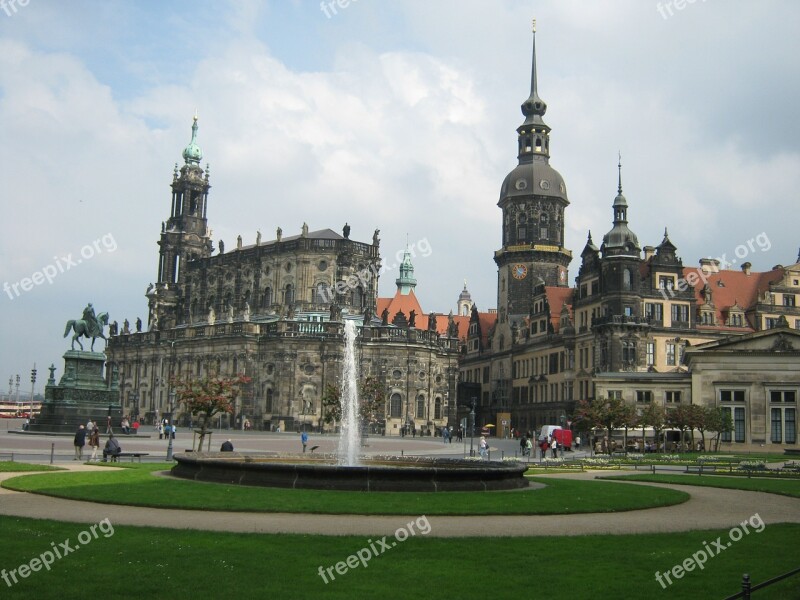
83, 393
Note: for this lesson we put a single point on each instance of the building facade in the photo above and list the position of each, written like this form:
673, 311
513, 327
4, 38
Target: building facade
274, 311
628, 324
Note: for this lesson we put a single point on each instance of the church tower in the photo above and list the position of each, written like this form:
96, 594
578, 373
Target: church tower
533, 198
185, 236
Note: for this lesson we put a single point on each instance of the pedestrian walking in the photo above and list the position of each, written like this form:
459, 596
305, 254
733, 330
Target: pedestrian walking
79, 442
304, 440
94, 443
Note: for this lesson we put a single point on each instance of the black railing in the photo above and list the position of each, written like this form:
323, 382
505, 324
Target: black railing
748, 588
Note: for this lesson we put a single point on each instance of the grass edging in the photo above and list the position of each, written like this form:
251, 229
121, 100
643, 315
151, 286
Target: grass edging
138, 487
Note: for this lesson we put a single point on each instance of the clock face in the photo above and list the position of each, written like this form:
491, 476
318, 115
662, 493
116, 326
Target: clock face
519, 271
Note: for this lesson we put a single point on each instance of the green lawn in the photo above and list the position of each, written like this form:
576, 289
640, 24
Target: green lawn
138, 486
7, 466
134, 562
785, 487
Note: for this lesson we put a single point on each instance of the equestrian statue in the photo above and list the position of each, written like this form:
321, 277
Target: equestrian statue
90, 326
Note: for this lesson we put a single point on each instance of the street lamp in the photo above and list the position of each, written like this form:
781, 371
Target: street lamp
33, 384
472, 427
171, 425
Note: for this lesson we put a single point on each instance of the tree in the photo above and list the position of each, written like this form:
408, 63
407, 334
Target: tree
718, 419
605, 413
653, 416
700, 417
680, 418
208, 397
371, 399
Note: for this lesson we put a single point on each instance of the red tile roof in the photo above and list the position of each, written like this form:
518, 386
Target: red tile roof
409, 302
736, 288
556, 297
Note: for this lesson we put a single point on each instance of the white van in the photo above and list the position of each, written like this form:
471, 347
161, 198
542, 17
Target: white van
547, 431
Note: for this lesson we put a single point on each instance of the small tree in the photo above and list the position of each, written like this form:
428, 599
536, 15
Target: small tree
719, 420
371, 397
653, 416
602, 412
680, 418
208, 397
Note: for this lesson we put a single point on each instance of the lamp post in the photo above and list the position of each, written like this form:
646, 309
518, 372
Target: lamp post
33, 384
563, 419
171, 424
472, 427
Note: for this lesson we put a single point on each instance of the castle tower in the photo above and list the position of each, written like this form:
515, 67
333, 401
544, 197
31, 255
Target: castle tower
533, 198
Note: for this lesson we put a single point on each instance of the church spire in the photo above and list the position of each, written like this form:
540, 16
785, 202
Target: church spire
192, 154
406, 282
534, 134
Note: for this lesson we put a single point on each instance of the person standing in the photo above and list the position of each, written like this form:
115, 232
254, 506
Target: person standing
578, 443
528, 446
554, 447
94, 443
304, 440
79, 442
483, 448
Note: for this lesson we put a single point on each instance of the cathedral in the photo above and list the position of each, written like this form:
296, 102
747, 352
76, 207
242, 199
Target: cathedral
274, 311
638, 324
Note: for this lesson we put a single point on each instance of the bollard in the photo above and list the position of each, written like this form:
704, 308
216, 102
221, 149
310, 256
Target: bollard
12, 457
52, 452
503, 454
401, 452
746, 586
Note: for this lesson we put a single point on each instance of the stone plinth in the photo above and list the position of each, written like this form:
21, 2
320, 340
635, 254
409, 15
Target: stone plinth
83, 393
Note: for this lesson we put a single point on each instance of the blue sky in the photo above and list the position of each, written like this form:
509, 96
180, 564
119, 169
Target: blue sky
392, 115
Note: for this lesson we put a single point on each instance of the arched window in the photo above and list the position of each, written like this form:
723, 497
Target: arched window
395, 406
437, 408
268, 407
288, 297
266, 298
321, 295
420, 406
626, 279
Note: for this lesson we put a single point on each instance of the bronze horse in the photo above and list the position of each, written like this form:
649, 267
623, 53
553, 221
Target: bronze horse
84, 329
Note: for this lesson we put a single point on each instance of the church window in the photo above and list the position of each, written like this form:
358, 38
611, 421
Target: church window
321, 295
289, 294
521, 234
395, 406
626, 279
420, 406
437, 408
266, 298
358, 297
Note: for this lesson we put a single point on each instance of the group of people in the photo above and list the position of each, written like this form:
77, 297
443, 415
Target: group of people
91, 432
127, 427
166, 429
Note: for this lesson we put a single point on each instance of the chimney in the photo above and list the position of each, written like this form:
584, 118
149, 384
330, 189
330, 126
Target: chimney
746, 268
649, 251
709, 265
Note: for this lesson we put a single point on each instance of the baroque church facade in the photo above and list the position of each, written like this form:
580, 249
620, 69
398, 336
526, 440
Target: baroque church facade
638, 324
275, 311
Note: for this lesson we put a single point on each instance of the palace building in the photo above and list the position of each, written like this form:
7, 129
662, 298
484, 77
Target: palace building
638, 324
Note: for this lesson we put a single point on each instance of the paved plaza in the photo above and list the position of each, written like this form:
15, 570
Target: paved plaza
707, 508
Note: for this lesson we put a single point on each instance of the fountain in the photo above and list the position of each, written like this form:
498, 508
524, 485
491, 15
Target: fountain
350, 436
346, 470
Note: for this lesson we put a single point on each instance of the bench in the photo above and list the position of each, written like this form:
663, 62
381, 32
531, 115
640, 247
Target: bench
793, 467
132, 455
699, 469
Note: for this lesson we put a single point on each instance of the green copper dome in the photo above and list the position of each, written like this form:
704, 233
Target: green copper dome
192, 153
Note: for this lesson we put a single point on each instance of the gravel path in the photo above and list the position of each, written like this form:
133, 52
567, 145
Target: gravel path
708, 508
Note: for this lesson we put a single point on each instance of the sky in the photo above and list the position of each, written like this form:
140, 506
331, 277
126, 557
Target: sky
398, 115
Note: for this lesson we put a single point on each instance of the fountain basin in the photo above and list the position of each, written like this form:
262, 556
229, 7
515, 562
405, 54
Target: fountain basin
376, 474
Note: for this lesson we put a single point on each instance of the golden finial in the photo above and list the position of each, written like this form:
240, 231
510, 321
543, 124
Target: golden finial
533, 26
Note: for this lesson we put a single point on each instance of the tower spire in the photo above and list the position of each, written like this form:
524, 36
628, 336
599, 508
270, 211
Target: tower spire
619, 174
533, 62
